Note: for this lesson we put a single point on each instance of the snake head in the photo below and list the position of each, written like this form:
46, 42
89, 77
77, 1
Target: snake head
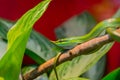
114, 33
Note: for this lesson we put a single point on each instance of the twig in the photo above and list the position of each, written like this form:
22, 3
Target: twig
70, 54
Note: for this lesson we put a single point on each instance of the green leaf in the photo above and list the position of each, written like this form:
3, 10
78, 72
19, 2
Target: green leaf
10, 63
4, 26
117, 14
114, 75
3, 46
77, 78
39, 48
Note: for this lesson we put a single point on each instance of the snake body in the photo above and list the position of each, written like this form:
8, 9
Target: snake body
95, 32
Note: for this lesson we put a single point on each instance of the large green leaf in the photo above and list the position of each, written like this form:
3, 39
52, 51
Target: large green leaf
5, 25
114, 75
38, 47
10, 63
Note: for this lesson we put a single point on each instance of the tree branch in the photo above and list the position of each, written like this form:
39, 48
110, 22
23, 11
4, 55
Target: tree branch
78, 50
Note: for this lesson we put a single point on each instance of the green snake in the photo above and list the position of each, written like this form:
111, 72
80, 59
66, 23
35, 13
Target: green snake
112, 23
109, 25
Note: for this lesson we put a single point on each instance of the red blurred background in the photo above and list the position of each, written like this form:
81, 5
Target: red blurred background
58, 12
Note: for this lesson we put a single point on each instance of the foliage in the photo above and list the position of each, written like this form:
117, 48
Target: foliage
39, 48
114, 75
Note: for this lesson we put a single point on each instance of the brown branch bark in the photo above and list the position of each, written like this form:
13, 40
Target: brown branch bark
70, 54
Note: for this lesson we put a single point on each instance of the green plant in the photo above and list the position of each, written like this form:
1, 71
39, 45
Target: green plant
15, 51
11, 60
